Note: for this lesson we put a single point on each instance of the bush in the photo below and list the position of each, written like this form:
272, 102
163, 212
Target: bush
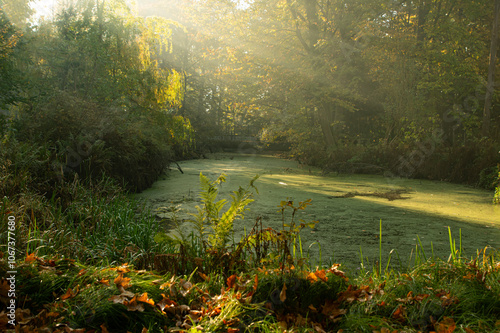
82, 137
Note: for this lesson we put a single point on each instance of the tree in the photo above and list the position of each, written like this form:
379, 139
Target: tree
17, 11
10, 76
491, 72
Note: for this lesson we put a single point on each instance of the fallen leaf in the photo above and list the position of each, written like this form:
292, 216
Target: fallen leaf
312, 277
185, 287
166, 304
204, 276
104, 281
123, 268
447, 325
118, 299
122, 282
30, 258
69, 294
231, 281
399, 314
319, 329
144, 298
321, 275
133, 305
283, 293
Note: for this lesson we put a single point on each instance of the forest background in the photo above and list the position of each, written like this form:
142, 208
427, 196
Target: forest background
392, 87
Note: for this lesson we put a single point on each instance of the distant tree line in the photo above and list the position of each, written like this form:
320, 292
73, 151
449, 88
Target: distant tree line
402, 88
394, 87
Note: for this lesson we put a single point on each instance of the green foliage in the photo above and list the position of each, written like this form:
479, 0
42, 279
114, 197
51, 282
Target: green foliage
291, 236
211, 215
10, 76
90, 220
96, 94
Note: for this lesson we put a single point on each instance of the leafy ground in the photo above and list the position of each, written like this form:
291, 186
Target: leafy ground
60, 295
348, 208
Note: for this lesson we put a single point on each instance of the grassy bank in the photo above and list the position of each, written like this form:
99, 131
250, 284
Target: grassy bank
63, 295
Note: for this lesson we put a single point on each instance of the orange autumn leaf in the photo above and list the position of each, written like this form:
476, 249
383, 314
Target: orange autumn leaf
283, 293
321, 275
447, 325
256, 282
121, 281
82, 272
232, 330
69, 294
204, 276
104, 329
166, 303
399, 314
312, 277
144, 298
334, 270
104, 281
30, 258
123, 268
231, 281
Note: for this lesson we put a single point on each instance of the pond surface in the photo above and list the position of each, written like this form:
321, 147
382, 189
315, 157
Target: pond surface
348, 207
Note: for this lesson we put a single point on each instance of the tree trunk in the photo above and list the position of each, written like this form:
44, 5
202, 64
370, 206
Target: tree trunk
485, 129
325, 118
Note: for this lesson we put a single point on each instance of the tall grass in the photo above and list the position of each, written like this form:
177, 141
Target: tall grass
95, 225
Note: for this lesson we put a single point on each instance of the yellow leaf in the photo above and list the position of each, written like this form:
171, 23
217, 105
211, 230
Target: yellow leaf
312, 277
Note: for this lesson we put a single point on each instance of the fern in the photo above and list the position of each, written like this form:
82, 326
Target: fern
210, 214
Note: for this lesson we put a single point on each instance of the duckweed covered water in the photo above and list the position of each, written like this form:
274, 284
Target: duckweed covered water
348, 207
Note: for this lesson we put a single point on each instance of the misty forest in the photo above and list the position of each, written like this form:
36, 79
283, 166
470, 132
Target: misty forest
250, 166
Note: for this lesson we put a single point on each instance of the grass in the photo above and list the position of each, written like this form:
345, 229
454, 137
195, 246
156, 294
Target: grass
442, 296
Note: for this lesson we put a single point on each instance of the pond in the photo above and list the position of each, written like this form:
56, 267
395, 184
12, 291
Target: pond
349, 208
